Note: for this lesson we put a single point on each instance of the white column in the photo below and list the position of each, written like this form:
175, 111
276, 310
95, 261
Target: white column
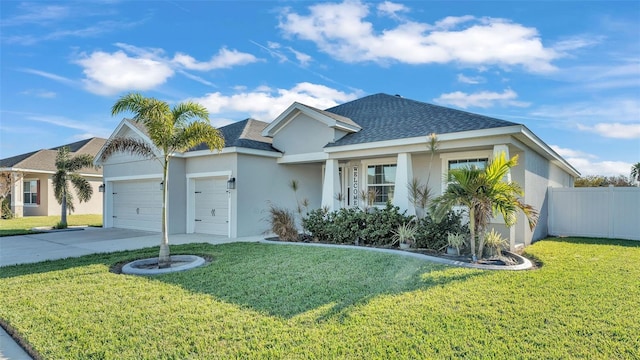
404, 175
17, 194
497, 150
331, 185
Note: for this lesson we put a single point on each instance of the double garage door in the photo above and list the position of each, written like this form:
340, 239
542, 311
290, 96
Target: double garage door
137, 204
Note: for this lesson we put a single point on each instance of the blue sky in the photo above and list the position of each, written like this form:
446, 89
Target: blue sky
569, 71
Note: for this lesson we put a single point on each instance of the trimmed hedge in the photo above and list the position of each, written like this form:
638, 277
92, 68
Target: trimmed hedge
375, 227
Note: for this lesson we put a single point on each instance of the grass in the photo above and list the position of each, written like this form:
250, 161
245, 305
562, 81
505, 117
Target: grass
23, 225
289, 302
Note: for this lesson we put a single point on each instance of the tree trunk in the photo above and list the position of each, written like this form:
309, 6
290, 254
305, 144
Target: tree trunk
63, 216
472, 230
164, 258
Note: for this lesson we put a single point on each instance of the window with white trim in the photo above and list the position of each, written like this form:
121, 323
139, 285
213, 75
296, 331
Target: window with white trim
480, 163
381, 180
30, 191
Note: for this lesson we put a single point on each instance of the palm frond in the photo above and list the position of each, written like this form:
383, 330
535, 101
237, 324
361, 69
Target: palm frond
184, 113
196, 133
82, 186
127, 145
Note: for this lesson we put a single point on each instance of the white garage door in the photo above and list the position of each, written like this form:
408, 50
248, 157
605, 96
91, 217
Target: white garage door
211, 206
137, 205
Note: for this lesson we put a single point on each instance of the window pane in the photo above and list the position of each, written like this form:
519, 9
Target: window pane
371, 172
389, 174
34, 198
27, 198
27, 186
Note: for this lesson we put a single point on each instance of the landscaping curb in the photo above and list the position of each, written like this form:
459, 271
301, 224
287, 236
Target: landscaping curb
525, 264
191, 262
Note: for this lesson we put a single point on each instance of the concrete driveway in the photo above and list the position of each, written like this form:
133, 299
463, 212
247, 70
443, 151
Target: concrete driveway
83, 241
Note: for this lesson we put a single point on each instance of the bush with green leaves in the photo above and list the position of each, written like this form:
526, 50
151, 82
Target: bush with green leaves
283, 223
6, 208
433, 235
349, 225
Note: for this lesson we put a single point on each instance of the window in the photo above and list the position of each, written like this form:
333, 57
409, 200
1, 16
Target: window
31, 192
464, 163
381, 180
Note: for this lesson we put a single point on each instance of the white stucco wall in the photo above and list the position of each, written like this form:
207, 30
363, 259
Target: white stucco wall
261, 180
303, 135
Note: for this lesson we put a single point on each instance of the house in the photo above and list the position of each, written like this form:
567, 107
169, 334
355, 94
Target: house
31, 185
375, 142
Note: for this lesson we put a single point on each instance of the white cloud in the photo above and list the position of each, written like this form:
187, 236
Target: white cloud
483, 99
110, 73
224, 59
341, 31
50, 76
266, 104
303, 59
45, 94
470, 79
391, 9
589, 164
62, 121
576, 42
614, 130
588, 114
134, 68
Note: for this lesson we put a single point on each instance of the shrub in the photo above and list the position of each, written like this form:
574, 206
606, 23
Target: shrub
61, 225
283, 223
348, 225
379, 225
433, 235
6, 209
404, 234
494, 241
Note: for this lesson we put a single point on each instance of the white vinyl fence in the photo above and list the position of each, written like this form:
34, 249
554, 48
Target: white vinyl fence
610, 212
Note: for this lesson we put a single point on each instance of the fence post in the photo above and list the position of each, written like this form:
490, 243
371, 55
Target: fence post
611, 211
550, 217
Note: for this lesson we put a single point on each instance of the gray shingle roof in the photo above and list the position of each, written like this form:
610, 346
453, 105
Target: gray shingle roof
387, 117
334, 116
44, 160
246, 133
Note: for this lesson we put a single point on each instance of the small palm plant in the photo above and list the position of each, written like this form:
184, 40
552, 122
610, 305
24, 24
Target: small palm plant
455, 241
635, 173
494, 240
66, 173
405, 235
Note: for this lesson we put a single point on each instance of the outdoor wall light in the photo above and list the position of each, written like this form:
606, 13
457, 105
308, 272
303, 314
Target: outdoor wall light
101, 188
161, 185
231, 183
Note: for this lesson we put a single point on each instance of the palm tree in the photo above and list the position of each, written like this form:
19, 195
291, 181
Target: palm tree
484, 193
171, 130
66, 168
635, 173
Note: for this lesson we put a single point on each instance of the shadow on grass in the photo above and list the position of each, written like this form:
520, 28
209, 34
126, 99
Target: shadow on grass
282, 281
287, 281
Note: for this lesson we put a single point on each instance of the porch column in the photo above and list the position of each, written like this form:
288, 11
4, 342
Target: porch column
17, 194
404, 175
497, 150
331, 185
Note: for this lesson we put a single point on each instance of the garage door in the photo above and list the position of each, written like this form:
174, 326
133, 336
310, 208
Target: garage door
137, 205
211, 206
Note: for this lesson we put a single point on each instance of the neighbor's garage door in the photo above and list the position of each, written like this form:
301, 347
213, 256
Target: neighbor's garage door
137, 205
211, 206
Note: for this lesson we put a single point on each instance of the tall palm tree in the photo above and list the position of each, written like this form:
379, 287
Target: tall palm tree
485, 194
66, 168
171, 130
635, 173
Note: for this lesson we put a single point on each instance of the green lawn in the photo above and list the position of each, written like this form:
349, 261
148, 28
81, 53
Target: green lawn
264, 301
23, 225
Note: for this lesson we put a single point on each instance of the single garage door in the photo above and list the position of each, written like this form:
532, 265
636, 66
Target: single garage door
137, 205
211, 206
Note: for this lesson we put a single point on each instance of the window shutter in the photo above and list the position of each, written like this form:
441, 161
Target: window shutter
38, 193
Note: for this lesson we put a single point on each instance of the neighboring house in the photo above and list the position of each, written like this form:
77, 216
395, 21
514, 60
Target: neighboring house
376, 142
31, 187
